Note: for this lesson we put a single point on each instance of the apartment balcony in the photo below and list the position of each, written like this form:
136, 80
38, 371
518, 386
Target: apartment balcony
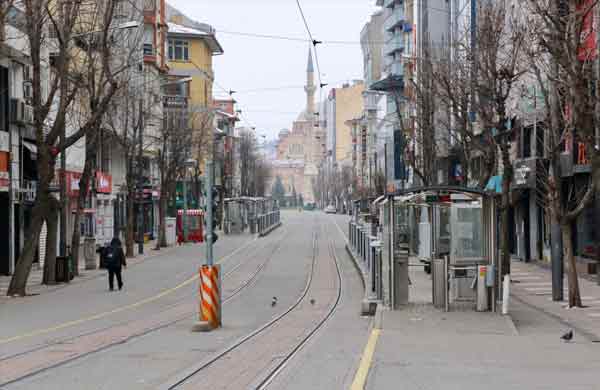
396, 19
150, 10
393, 46
175, 101
370, 101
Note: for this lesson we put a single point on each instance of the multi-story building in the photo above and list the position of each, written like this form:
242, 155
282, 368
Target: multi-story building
411, 28
18, 150
369, 134
191, 47
344, 104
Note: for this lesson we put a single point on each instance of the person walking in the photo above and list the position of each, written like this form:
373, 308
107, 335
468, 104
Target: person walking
114, 258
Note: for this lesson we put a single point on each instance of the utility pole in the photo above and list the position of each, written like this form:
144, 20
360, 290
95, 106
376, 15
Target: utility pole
140, 216
209, 201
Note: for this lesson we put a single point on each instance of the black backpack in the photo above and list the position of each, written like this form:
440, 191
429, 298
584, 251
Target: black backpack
111, 257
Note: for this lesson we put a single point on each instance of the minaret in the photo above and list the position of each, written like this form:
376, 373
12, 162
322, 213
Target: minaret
310, 88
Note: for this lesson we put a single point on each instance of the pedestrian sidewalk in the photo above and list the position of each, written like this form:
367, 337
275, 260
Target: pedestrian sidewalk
35, 286
421, 347
532, 285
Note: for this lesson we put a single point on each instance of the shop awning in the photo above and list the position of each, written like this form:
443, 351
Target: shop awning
494, 184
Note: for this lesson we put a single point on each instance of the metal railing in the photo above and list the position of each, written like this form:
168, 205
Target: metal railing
266, 221
367, 248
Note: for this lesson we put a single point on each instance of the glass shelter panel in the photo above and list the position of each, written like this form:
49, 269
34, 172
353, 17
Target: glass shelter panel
467, 240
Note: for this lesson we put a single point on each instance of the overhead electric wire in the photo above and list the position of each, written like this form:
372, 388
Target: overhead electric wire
295, 39
313, 41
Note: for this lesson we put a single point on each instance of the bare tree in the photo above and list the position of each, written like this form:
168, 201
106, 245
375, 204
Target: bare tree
124, 122
499, 60
75, 76
562, 61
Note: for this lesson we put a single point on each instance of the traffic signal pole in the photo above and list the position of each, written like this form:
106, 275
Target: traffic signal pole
209, 211
209, 274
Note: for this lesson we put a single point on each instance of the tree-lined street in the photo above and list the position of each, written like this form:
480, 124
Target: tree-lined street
140, 338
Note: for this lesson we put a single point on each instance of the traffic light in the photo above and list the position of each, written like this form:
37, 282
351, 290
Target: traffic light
215, 218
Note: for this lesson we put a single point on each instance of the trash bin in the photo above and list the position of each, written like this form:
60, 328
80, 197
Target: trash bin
62, 269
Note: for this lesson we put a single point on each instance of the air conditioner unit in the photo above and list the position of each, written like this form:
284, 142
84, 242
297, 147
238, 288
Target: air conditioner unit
16, 110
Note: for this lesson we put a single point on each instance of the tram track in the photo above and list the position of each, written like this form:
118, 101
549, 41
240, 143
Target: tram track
173, 305
273, 372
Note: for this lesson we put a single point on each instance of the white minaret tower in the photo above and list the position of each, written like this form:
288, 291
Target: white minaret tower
310, 88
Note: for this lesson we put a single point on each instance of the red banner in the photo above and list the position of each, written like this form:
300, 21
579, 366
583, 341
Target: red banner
103, 183
587, 41
72, 183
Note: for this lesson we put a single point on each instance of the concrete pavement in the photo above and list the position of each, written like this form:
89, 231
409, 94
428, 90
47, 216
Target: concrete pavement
425, 348
532, 285
148, 360
140, 338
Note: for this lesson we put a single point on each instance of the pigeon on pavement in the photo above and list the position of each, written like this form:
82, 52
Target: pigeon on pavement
274, 301
567, 336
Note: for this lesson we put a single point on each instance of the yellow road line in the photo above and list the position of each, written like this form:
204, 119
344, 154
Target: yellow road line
365, 362
117, 310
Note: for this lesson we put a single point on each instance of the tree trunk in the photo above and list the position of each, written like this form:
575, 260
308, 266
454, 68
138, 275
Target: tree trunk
84, 190
45, 167
596, 184
130, 218
567, 239
162, 213
50, 260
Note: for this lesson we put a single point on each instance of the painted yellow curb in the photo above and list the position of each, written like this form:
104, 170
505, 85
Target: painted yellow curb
365, 362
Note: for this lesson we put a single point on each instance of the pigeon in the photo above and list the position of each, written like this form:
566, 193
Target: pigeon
274, 301
567, 336
312, 301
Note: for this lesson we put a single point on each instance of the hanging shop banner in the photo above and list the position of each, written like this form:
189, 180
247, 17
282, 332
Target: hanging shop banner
587, 42
103, 183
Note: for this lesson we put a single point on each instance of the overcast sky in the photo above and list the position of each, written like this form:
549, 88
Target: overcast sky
251, 63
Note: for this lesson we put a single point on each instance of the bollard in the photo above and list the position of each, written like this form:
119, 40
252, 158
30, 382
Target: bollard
210, 309
505, 294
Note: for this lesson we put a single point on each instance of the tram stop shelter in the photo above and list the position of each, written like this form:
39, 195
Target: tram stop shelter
449, 232
235, 217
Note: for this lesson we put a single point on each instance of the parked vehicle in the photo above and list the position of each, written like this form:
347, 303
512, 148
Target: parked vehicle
309, 206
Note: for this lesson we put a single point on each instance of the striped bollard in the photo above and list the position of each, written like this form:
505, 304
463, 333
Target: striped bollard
210, 298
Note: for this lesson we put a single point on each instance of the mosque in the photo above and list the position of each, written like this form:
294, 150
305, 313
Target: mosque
300, 151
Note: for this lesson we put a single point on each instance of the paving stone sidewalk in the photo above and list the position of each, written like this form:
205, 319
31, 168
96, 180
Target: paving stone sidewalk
35, 286
532, 285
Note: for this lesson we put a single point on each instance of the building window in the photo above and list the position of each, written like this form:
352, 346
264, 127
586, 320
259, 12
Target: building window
178, 50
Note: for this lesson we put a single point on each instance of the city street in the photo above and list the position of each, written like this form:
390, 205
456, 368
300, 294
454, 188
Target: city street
85, 337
